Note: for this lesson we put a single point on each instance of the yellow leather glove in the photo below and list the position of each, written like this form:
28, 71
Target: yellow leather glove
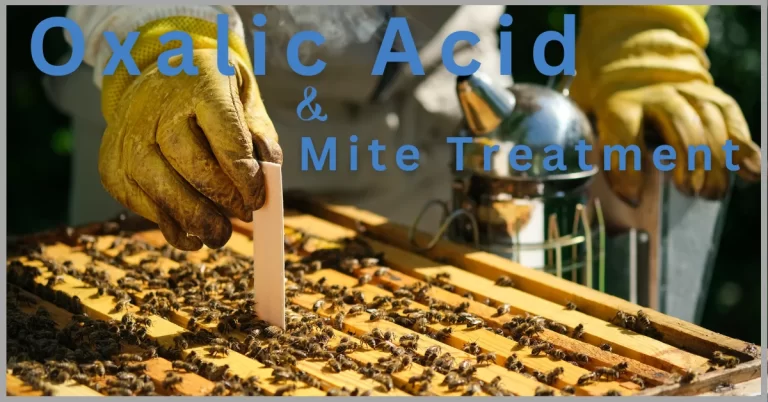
639, 66
182, 151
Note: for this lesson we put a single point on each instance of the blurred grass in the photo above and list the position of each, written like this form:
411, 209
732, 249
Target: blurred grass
40, 141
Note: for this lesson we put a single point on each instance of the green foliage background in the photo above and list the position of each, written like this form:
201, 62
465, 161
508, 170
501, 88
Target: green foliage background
40, 141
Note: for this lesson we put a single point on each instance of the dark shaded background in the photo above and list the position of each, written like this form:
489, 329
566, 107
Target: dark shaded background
39, 142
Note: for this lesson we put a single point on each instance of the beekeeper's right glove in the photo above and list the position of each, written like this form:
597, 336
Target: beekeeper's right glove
183, 150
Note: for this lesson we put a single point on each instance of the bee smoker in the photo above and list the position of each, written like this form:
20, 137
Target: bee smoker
532, 215
662, 250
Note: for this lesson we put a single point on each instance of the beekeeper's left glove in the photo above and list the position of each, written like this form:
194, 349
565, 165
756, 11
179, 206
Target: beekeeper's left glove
182, 150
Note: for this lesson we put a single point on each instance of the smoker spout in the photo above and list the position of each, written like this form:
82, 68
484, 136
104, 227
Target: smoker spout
483, 105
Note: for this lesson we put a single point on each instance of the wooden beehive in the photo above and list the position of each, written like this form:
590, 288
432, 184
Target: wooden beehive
662, 361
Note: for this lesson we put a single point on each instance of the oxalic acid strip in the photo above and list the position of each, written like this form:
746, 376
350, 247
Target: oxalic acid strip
397, 27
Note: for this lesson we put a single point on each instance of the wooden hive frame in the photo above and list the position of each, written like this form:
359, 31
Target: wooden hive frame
659, 363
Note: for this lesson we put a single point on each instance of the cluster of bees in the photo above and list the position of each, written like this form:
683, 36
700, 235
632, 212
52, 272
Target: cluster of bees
216, 296
83, 352
639, 323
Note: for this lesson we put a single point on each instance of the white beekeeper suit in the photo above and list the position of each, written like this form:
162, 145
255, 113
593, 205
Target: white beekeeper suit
417, 110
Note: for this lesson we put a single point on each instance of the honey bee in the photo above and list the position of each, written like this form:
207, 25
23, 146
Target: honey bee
557, 327
472, 389
125, 376
55, 280
568, 390
347, 347
461, 308
318, 305
364, 279
381, 272
578, 332
505, 281
82, 379
606, 347
544, 391
376, 315
347, 364
432, 353
220, 389
472, 348
172, 380
551, 376
466, 368
385, 380
751, 349
723, 387
135, 368
272, 331
624, 320
444, 363
116, 391
501, 310
587, 378
282, 374
612, 392
453, 380
580, 358
357, 392
513, 364
541, 347
182, 365
443, 276
338, 392
571, 306
607, 372
643, 318
688, 377
130, 357
524, 341
411, 345
356, 310
218, 350
557, 354
486, 358
722, 359
475, 323
639, 381
443, 334
621, 367
95, 369
285, 389
121, 305
426, 376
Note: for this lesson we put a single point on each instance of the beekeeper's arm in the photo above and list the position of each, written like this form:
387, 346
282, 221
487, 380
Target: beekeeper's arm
646, 64
179, 150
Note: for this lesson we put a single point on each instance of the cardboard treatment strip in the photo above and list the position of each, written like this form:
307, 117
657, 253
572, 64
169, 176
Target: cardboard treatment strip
268, 252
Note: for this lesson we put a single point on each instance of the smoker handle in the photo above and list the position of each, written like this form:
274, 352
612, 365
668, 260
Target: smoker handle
447, 219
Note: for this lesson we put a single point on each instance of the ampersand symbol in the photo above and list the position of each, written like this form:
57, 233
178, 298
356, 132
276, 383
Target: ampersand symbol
309, 95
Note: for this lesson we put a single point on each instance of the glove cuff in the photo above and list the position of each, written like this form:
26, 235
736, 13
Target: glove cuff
148, 48
686, 21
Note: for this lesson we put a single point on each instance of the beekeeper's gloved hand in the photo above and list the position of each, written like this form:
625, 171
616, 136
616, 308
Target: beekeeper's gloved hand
638, 65
182, 150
